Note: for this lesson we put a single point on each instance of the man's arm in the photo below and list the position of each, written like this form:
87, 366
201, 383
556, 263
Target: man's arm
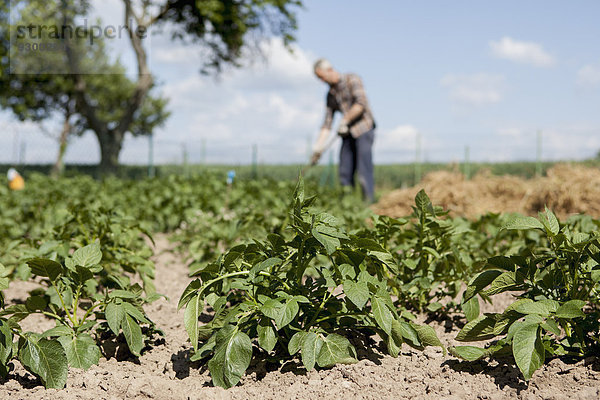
353, 114
319, 146
322, 140
360, 100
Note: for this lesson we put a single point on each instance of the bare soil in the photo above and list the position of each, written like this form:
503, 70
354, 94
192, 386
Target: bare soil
164, 372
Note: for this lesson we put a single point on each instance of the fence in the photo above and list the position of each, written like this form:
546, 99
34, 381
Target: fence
147, 156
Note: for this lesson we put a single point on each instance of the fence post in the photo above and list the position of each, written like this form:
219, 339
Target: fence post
467, 166
151, 170
185, 159
538, 163
254, 161
418, 159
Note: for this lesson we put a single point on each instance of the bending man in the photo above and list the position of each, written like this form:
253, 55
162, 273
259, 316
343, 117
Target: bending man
357, 128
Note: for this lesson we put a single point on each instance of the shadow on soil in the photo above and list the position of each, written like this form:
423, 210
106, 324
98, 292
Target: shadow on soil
449, 322
504, 373
263, 363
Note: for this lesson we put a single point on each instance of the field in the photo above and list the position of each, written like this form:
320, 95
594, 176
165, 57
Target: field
187, 287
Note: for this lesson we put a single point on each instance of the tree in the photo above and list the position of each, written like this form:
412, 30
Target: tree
220, 28
36, 93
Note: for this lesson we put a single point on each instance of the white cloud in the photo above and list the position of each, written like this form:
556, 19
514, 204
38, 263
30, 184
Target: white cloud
589, 76
474, 90
521, 52
511, 133
569, 142
277, 104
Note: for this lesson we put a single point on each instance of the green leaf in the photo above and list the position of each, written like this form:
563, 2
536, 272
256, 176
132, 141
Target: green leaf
290, 310
550, 222
88, 256
296, 342
552, 305
481, 328
135, 312
336, 349
357, 292
133, 335
46, 359
531, 319
531, 307
471, 308
205, 350
383, 315
232, 356
528, 349
395, 340
267, 337
190, 319
310, 348
479, 282
409, 333
188, 293
121, 294
36, 303
46, 268
505, 263
522, 222
505, 282
272, 309
423, 202
434, 307
571, 309
551, 326
428, 337
468, 353
57, 331
6, 343
114, 314
261, 266
282, 314
82, 351
329, 242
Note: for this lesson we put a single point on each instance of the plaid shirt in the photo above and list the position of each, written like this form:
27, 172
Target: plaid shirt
342, 96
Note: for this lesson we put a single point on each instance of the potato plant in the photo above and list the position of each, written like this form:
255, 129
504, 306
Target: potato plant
70, 295
556, 311
306, 295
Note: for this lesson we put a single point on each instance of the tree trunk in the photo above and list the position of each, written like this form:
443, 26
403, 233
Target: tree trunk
59, 165
110, 147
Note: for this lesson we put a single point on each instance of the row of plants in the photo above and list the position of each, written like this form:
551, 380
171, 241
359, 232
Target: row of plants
284, 281
306, 289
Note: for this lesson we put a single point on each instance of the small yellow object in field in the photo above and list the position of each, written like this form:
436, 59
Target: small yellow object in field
15, 180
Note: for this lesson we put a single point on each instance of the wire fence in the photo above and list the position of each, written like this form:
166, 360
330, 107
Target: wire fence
146, 153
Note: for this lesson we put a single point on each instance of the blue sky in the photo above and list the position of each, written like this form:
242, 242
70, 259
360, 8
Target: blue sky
487, 75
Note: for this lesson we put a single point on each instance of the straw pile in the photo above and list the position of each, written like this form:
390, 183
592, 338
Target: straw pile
566, 190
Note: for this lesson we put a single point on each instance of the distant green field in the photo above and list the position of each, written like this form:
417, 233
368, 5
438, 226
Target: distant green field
387, 176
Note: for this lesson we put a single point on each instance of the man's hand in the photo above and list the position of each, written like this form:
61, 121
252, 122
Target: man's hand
343, 129
314, 159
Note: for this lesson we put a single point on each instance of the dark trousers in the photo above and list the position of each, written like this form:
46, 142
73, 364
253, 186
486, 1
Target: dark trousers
356, 157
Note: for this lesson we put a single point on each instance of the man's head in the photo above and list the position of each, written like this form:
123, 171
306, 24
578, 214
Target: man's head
325, 72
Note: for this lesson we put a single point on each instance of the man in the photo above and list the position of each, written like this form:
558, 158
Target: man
357, 127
